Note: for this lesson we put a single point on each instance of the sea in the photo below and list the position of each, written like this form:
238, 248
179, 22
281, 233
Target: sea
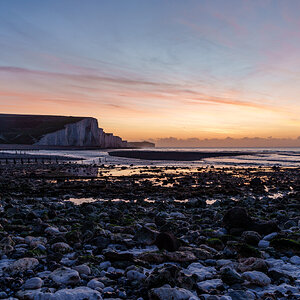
285, 157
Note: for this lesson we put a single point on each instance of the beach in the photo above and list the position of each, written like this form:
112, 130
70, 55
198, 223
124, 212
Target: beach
149, 232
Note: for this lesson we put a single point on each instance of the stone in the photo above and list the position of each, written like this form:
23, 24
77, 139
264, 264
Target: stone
61, 247
263, 244
208, 285
168, 293
22, 265
181, 256
251, 237
240, 295
252, 264
145, 235
201, 272
83, 269
256, 278
65, 276
135, 275
270, 236
78, 293
33, 283
167, 241
230, 276
95, 284
52, 231
170, 274
237, 217
295, 260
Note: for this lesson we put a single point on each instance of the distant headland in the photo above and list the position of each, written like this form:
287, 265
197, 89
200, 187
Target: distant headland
42, 131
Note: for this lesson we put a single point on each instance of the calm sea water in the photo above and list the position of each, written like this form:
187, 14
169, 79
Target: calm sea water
289, 157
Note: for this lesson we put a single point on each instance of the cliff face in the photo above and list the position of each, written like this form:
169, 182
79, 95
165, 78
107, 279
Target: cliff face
84, 133
56, 131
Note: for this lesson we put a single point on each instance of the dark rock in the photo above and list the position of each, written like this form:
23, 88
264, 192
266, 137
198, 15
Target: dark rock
230, 276
172, 275
167, 241
237, 217
251, 237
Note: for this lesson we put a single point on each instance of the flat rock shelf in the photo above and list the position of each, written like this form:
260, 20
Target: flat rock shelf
174, 155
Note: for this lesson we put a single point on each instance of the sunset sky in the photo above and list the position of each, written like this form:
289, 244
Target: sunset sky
155, 69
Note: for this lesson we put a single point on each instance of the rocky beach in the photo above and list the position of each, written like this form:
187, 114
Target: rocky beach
75, 231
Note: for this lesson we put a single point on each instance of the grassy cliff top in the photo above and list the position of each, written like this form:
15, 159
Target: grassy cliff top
28, 129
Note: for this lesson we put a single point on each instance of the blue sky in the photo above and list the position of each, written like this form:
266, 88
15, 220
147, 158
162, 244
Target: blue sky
153, 69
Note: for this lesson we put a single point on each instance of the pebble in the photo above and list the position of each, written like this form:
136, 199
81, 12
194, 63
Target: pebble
33, 283
256, 278
65, 276
263, 244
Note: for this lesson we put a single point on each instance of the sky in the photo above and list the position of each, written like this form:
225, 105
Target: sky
156, 69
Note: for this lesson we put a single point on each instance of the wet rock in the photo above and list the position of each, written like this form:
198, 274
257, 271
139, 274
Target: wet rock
207, 285
290, 223
78, 293
145, 235
295, 260
270, 236
230, 276
181, 256
83, 269
95, 284
241, 295
252, 264
65, 276
27, 294
167, 241
170, 274
256, 278
263, 244
168, 293
264, 227
52, 231
251, 237
135, 275
114, 255
201, 272
22, 265
237, 217
61, 247
284, 244
33, 283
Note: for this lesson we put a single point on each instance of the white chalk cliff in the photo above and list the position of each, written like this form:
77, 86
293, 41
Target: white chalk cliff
84, 133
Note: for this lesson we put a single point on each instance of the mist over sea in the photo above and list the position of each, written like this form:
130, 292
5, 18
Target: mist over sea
288, 157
